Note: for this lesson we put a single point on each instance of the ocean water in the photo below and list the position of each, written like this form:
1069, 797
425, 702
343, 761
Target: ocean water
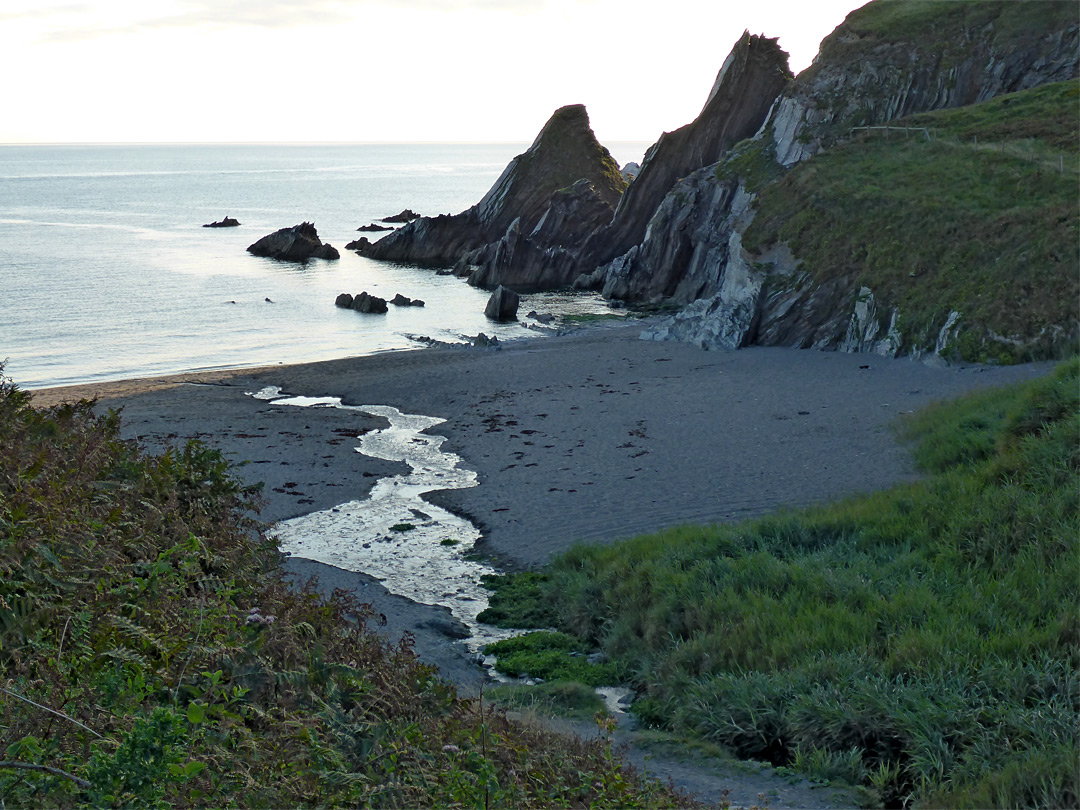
106, 272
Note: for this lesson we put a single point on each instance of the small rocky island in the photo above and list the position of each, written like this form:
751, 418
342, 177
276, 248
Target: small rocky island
227, 222
296, 244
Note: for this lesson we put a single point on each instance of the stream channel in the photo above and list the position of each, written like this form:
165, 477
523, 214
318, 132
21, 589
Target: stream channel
416, 549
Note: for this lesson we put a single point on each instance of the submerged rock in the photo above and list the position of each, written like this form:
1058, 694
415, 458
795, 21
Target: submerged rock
502, 305
296, 244
227, 222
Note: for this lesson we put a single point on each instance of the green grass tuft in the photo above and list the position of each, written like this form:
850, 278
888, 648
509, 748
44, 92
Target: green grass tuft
931, 629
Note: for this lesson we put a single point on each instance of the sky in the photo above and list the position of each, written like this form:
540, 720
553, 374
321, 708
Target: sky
281, 71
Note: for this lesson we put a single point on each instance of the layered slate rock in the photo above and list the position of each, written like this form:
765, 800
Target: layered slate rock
566, 151
545, 258
751, 77
296, 244
876, 67
502, 305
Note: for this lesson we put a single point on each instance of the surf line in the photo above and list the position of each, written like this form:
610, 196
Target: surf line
414, 548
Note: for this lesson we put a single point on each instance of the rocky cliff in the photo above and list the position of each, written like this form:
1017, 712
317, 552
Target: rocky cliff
753, 74
565, 151
888, 59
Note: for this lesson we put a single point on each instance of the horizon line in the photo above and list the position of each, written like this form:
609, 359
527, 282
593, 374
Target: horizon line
288, 143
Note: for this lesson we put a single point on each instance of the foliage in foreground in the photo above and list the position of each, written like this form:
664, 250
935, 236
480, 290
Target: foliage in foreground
151, 655
923, 641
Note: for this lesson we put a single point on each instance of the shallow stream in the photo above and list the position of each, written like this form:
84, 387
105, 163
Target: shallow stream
415, 549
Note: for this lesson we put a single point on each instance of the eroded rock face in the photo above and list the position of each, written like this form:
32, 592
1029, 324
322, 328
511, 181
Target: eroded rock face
296, 244
543, 259
871, 71
691, 250
564, 152
754, 73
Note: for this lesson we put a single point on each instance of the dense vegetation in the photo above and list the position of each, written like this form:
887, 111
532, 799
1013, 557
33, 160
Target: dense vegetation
933, 225
152, 656
923, 641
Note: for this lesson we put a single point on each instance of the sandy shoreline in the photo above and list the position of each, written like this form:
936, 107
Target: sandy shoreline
588, 437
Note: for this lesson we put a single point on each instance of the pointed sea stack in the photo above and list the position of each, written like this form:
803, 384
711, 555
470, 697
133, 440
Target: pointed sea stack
564, 152
751, 77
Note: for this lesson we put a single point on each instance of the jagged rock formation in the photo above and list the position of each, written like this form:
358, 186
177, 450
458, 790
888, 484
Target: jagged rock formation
400, 300
502, 305
873, 68
408, 215
887, 61
296, 244
543, 259
565, 152
753, 74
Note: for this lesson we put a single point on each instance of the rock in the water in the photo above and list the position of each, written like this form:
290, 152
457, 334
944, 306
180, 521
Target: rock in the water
344, 300
502, 305
408, 215
374, 226
296, 244
369, 303
227, 222
482, 341
564, 152
360, 245
400, 300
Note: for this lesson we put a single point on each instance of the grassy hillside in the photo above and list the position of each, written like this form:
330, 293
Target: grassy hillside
923, 641
151, 656
981, 219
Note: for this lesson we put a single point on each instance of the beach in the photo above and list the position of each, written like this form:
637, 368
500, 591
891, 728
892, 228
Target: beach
588, 437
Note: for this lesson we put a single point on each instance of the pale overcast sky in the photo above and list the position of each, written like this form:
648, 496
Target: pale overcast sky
373, 70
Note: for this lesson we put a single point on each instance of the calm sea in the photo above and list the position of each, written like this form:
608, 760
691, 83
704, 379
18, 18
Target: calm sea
106, 272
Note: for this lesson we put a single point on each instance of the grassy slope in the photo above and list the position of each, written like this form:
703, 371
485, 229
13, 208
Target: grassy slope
151, 655
923, 641
936, 226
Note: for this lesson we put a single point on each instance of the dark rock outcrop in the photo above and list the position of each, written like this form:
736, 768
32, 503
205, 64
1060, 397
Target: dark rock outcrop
870, 71
296, 244
564, 152
374, 227
226, 222
359, 245
544, 259
502, 305
408, 215
369, 303
400, 300
344, 301
753, 74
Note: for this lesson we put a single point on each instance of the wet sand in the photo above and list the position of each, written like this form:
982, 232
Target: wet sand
588, 437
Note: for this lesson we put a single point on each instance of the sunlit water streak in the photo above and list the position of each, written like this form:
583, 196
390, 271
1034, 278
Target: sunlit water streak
425, 563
